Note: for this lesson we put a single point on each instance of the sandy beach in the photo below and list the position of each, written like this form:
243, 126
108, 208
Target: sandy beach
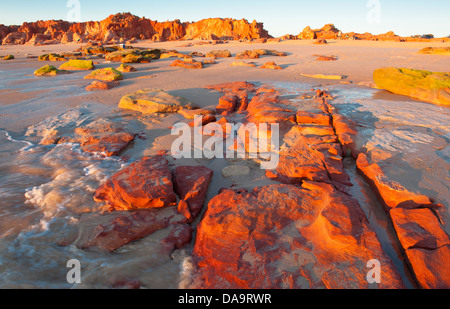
50, 187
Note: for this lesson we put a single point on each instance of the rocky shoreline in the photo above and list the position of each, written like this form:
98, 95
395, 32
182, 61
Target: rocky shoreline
230, 223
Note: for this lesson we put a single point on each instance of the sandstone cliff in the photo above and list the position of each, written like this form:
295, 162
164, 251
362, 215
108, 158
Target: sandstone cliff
125, 26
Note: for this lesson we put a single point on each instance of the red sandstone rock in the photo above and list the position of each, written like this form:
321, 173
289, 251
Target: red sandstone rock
130, 227
146, 183
430, 267
101, 136
247, 54
187, 64
326, 58
241, 90
276, 236
418, 228
225, 29
102, 85
266, 108
309, 117
321, 41
191, 183
227, 104
271, 65
233, 87
347, 133
299, 162
392, 193
180, 235
204, 121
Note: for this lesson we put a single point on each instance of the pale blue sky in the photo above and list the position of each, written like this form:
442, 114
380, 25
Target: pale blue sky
404, 17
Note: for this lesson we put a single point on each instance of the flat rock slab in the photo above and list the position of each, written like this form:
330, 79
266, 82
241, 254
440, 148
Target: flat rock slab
418, 228
132, 226
106, 74
285, 236
430, 267
144, 184
102, 85
77, 65
150, 101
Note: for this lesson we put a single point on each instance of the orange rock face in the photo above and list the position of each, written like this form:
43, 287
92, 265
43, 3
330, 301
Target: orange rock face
191, 183
425, 243
192, 64
127, 27
392, 193
101, 85
144, 184
101, 136
275, 236
225, 29
235, 98
271, 65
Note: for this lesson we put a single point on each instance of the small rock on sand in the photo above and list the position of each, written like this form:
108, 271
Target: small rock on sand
235, 170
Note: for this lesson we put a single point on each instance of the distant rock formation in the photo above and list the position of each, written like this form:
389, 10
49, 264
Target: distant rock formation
124, 27
330, 32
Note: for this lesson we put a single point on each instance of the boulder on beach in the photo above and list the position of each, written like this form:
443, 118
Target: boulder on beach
173, 54
49, 70
125, 68
102, 85
51, 57
78, 65
271, 65
131, 226
432, 87
218, 54
101, 136
270, 52
106, 74
144, 184
134, 55
150, 101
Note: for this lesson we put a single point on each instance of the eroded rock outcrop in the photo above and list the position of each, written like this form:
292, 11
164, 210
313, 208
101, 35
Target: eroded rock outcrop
285, 236
149, 101
101, 136
126, 27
